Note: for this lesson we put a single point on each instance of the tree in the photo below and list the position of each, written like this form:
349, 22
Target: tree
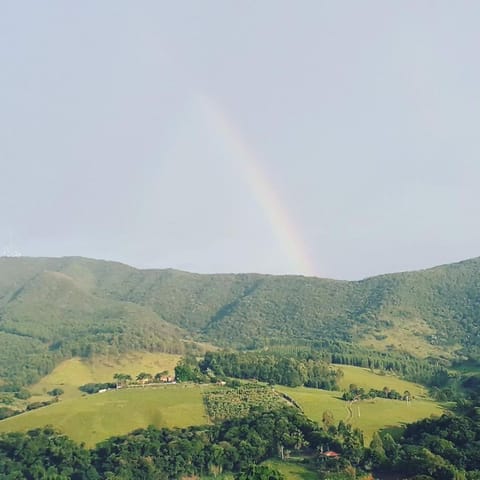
377, 452
327, 419
144, 377
158, 376
122, 378
188, 370
23, 394
56, 392
391, 448
259, 472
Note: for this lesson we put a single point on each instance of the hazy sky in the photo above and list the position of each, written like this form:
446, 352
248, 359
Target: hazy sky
222, 136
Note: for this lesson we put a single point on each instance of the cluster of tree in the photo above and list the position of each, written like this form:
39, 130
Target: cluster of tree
18, 369
6, 412
444, 448
430, 372
273, 368
359, 393
125, 380
463, 386
259, 472
188, 370
9, 394
35, 405
44, 454
91, 388
143, 378
56, 392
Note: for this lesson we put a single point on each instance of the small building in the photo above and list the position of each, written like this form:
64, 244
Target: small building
330, 454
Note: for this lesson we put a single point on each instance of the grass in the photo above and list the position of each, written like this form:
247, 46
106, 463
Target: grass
363, 377
72, 373
93, 418
409, 335
368, 415
292, 470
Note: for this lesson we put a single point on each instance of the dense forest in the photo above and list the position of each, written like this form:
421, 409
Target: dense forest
51, 309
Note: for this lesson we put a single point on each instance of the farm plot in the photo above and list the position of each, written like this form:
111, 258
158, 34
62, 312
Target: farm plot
224, 402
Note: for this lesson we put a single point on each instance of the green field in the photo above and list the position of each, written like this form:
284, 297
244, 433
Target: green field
368, 415
93, 418
72, 373
363, 377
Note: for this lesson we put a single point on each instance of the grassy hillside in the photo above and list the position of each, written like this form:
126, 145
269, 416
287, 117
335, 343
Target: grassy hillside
368, 415
51, 309
74, 372
92, 418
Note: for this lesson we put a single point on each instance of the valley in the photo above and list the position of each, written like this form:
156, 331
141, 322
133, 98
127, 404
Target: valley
93, 418
353, 366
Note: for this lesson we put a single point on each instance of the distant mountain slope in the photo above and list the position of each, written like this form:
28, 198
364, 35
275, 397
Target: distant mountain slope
54, 307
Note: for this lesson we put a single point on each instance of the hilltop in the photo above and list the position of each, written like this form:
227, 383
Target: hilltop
53, 308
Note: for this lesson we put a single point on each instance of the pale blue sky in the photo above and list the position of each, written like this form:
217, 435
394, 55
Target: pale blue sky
364, 116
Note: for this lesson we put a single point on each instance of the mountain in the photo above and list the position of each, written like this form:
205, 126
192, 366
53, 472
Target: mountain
51, 308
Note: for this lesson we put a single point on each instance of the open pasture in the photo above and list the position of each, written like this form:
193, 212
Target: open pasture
368, 415
92, 418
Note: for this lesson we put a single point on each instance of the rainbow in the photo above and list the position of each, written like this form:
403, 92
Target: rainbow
261, 187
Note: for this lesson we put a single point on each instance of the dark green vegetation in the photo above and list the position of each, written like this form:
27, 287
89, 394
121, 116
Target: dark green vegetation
311, 367
51, 309
91, 388
44, 453
281, 369
359, 393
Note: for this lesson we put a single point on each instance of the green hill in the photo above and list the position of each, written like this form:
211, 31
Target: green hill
53, 308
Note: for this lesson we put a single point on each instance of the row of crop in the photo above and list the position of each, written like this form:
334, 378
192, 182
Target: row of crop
226, 403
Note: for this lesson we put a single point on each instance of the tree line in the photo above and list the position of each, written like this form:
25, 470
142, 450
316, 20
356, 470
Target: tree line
272, 368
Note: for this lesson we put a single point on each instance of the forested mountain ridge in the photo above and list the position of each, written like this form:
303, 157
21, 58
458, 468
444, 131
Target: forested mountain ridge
54, 307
